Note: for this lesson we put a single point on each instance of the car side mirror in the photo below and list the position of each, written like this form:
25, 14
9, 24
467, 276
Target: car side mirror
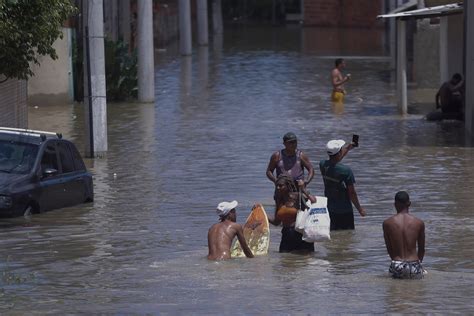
49, 172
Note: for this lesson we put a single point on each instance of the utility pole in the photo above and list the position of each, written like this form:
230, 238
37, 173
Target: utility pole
217, 23
202, 21
469, 67
94, 80
146, 64
185, 39
402, 67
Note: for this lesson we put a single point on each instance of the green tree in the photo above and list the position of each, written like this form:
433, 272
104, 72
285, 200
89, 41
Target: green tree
28, 29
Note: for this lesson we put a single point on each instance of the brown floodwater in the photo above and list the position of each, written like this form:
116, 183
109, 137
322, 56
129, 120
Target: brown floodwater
141, 246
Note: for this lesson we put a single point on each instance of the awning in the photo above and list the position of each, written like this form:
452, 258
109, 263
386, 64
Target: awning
431, 12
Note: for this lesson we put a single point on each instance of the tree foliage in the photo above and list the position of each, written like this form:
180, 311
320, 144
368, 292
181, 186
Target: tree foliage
28, 29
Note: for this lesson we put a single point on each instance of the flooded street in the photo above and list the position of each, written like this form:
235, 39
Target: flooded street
141, 247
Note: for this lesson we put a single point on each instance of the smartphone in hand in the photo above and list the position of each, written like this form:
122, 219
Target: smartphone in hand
355, 140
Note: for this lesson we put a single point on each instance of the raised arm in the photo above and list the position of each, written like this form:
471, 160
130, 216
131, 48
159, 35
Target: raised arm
243, 242
272, 164
421, 242
345, 149
355, 200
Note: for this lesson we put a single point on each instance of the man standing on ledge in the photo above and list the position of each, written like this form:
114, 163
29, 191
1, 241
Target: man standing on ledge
401, 233
339, 186
338, 81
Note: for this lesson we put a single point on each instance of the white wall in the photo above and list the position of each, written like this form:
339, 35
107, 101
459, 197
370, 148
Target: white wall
455, 44
52, 82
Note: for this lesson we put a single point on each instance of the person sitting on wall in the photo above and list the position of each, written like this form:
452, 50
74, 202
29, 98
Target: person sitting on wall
449, 99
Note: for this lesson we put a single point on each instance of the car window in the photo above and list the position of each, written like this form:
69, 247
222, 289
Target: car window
78, 163
49, 159
17, 157
67, 162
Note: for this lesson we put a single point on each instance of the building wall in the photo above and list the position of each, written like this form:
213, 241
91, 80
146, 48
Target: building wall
165, 22
426, 55
455, 45
343, 13
52, 82
13, 106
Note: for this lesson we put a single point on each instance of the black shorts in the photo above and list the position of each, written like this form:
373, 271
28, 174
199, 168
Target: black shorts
292, 240
342, 221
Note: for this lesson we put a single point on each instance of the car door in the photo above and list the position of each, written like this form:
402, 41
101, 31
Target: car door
73, 180
51, 196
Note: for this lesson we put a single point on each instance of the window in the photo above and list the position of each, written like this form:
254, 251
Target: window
78, 163
65, 156
49, 159
17, 157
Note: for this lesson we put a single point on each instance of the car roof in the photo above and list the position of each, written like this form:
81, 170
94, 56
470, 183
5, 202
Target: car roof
27, 135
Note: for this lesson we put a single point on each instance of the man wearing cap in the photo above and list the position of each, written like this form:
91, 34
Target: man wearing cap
289, 164
290, 161
402, 232
339, 186
220, 235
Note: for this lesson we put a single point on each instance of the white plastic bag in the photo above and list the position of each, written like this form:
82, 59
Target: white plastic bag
317, 224
300, 221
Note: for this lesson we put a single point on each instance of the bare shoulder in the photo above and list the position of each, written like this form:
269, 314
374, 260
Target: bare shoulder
388, 221
235, 227
275, 155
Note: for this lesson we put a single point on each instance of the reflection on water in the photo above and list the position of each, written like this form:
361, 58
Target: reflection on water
141, 246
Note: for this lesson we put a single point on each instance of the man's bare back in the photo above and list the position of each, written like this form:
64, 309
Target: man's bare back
221, 235
402, 232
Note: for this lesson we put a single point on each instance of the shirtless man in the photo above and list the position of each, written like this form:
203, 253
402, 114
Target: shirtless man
221, 234
338, 81
450, 95
402, 232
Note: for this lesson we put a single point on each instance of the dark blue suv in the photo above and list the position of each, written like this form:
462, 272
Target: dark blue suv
40, 171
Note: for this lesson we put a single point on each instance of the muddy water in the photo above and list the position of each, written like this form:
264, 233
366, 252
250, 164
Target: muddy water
141, 246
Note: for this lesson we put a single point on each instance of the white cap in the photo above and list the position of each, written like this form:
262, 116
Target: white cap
225, 207
334, 146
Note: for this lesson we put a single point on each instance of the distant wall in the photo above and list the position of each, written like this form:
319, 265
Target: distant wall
165, 23
13, 96
52, 80
343, 13
426, 55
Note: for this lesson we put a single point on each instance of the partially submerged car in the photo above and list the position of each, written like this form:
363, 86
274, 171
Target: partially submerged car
40, 171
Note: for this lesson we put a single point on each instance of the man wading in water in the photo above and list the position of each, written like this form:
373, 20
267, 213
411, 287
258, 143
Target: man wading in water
289, 164
401, 233
220, 235
338, 81
290, 161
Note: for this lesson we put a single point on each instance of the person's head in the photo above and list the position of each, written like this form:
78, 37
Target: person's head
226, 210
285, 184
333, 148
340, 63
456, 78
290, 141
402, 201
